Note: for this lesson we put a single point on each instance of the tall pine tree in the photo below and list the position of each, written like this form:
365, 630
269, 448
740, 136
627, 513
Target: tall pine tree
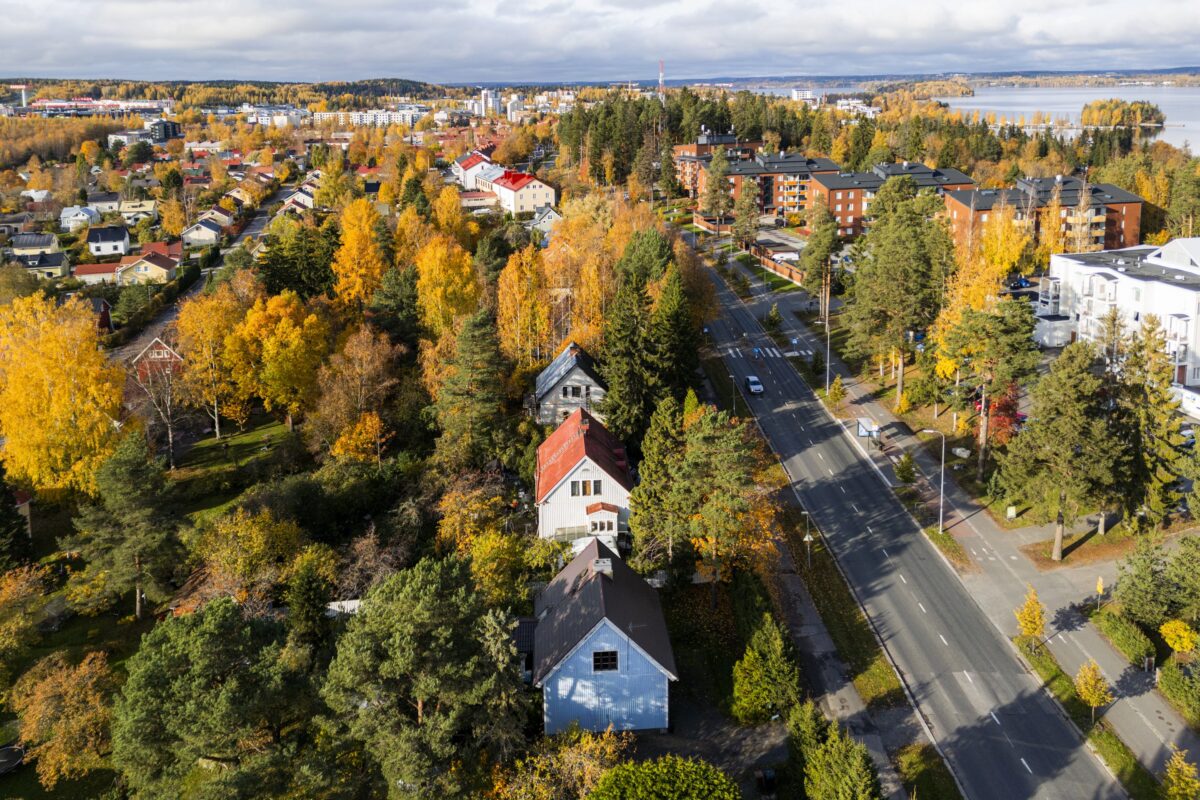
659, 534
672, 345
630, 399
716, 201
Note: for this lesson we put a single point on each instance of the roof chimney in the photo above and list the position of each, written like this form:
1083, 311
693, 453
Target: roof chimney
602, 566
1058, 178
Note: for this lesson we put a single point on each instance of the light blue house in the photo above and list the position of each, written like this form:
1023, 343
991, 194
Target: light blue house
601, 654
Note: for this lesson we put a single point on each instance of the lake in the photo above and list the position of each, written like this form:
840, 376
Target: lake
1180, 104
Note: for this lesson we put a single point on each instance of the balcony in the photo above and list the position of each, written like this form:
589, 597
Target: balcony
1178, 354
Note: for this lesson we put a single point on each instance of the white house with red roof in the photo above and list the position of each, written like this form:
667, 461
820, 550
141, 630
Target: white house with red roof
582, 483
467, 167
516, 192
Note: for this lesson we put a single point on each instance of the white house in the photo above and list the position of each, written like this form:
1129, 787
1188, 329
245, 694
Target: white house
601, 653
72, 218
571, 381
134, 211
104, 202
467, 167
223, 217
516, 192
544, 220
582, 483
302, 198
108, 241
202, 234
1079, 289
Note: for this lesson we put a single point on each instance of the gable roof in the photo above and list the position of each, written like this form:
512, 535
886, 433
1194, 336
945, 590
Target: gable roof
207, 224
579, 436
107, 235
572, 356
161, 345
579, 598
43, 260
514, 181
172, 250
165, 263
22, 240
96, 269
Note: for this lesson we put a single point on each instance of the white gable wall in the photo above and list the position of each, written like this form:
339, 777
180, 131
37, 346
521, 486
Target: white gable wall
633, 697
553, 408
561, 510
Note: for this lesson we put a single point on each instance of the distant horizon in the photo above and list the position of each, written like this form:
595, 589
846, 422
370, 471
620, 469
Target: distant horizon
676, 82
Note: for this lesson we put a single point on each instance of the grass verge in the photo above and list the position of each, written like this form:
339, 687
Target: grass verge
718, 376
924, 774
1138, 781
705, 641
951, 548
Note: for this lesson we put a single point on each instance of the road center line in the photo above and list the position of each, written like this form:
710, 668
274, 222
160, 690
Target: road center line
943, 638
1027, 769
902, 580
827, 469
820, 456
995, 718
919, 605
856, 511
969, 678
885, 552
843, 488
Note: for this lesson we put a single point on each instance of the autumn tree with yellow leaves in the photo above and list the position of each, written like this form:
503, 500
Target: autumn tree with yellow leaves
203, 326
247, 554
1092, 688
356, 382
523, 313
60, 396
447, 286
358, 263
1031, 616
275, 352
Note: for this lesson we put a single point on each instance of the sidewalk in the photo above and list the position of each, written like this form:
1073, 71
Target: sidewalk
1140, 716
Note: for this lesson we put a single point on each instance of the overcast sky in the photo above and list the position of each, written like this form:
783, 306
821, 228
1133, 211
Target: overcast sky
578, 40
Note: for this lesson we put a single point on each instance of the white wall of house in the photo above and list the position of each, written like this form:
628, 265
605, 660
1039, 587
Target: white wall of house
634, 696
199, 237
565, 507
575, 390
1086, 292
109, 248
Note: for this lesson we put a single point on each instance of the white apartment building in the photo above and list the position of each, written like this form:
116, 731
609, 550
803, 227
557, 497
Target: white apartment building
401, 115
1079, 290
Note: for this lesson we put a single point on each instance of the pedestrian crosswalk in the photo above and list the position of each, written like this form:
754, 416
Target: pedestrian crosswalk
766, 352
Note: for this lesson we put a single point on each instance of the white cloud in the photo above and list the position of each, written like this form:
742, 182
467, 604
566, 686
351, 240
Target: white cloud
548, 40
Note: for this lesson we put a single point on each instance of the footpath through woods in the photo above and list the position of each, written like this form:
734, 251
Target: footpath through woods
1140, 716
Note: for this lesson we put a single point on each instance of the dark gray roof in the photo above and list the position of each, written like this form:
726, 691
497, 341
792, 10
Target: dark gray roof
924, 177
578, 598
571, 356
111, 234
103, 197
43, 260
208, 224
33, 240
1131, 262
1038, 192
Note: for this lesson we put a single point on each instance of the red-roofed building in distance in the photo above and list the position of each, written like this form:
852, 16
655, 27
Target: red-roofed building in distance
582, 484
516, 192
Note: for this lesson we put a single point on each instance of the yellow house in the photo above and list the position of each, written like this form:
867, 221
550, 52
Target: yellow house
146, 268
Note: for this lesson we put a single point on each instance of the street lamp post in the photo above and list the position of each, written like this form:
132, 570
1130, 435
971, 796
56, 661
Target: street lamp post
808, 538
732, 394
826, 356
942, 482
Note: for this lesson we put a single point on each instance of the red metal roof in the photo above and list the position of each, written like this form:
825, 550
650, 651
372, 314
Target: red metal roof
96, 269
470, 161
579, 436
609, 507
514, 181
173, 250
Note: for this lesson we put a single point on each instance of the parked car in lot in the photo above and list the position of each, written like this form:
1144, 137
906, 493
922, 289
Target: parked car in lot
754, 385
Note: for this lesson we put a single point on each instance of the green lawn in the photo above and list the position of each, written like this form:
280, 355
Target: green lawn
705, 642
924, 774
212, 473
718, 376
774, 282
1137, 780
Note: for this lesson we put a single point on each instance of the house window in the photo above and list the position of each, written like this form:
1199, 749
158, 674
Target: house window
576, 391
575, 488
604, 661
1196, 373
595, 487
565, 392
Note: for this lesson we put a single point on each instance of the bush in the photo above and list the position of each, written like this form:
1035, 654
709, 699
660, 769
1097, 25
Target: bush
1181, 685
1125, 635
667, 778
906, 470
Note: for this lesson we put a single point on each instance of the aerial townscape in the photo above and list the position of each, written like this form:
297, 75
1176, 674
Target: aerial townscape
807, 415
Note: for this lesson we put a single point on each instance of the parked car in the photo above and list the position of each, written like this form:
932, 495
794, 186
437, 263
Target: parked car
754, 385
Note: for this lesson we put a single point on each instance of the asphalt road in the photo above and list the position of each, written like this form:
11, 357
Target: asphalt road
1003, 736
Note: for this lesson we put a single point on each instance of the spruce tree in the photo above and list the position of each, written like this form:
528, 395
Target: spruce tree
1155, 438
668, 182
671, 351
746, 212
646, 257
630, 399
394, 307
658, 533
469, 407
14, 531
841, 768
766, 680
1142, 588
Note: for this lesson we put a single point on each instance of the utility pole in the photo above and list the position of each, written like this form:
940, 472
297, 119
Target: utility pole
942, 481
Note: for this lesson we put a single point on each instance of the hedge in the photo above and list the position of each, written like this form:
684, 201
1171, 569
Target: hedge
146, 314
1125, 635
1180, 685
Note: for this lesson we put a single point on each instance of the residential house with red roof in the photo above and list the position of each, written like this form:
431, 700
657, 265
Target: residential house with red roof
466, 168
516, 192
582, 483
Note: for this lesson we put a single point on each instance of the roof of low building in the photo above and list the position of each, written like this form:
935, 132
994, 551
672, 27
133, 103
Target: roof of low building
208, 225
107, 235
924, 177
96, 269
514, 181
580, 597
579, 436
32, 240
43, 260
572, 356
1166, 264
1040, 192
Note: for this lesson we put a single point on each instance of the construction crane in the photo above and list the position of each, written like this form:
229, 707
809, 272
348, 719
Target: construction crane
22, 87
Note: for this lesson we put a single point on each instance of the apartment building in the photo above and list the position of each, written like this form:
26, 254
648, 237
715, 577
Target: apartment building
1079, 289
784, 179
1113, 216
689, 158
405, 114
848, 195
516, 192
